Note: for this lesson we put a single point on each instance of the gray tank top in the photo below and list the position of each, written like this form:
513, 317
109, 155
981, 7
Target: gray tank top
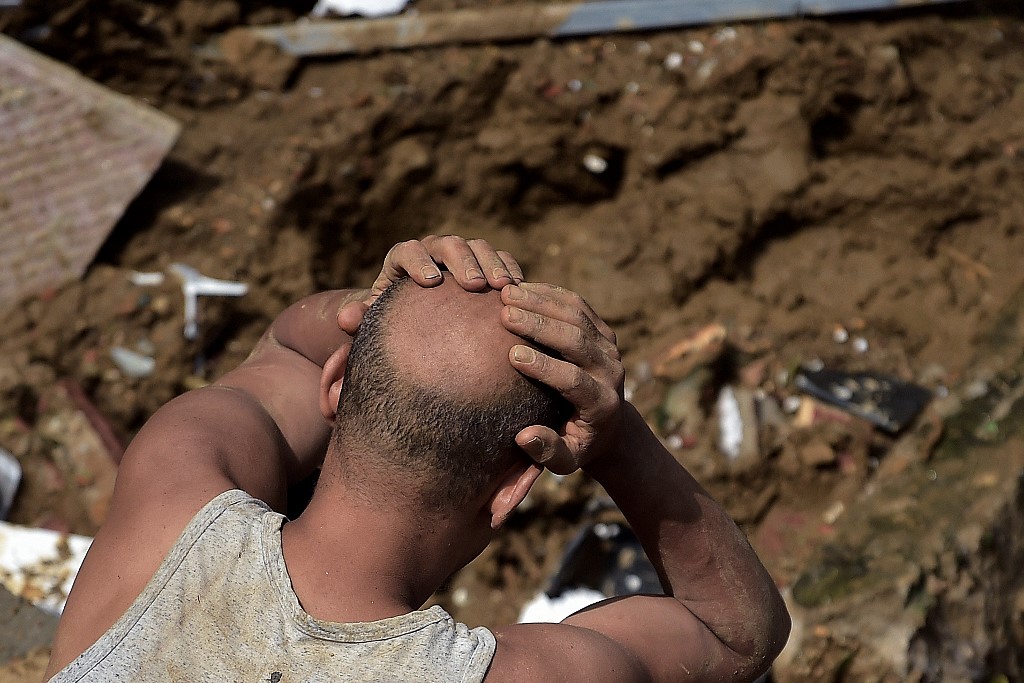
221, 608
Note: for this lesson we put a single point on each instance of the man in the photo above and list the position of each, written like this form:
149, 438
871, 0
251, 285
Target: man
194, 578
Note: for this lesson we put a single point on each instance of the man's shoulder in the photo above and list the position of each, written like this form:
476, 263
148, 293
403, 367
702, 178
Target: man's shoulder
528, 653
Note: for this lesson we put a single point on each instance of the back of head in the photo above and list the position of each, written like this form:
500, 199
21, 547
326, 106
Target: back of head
430, 397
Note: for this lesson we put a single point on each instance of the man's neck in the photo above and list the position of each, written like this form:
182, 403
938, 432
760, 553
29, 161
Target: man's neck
350, 561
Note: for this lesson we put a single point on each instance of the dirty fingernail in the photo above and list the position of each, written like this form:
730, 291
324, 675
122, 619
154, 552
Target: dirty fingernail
474, 274
516, 315
500, 273
430, 272
533, 446
516, 294
524, 354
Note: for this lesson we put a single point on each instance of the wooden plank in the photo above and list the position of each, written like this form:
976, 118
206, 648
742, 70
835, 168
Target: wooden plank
73, 154
523, 22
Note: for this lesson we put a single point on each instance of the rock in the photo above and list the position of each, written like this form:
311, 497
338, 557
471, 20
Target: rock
23, 627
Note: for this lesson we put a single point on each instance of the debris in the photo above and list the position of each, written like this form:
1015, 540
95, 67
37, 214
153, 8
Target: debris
26, 634
701, 348
791, 404
860, 345
840, 335
681, 408
194, 285
142, 279
543, 609
884, 401
527, 21
673, 61
606, 558
595, 164
64, 138
365, 8
10, 479
738, 427
100, 425
39, 565
132, 363
730, 424
79, 452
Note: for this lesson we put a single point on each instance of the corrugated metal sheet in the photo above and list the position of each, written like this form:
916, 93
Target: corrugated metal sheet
73, 154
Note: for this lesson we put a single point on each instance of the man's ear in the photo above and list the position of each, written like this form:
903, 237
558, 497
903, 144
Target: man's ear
331, 378
512, 490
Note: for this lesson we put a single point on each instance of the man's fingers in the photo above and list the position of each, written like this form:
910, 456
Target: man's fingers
456, 254
579, 343
547, 448
491, 263
578, 387
553, 298
512, 265
408, 258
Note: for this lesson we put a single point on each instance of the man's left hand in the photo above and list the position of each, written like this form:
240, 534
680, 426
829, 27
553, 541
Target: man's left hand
474, 264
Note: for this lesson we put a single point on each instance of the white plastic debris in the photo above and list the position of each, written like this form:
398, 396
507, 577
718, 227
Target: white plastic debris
365, 8
595, 164
544, 610
131, 363
575, 85
145, 279
725, 35
10, 479
40, 565
791, 404
194, 285
730, 423
860, 345
696, 47
840, 335
673, 61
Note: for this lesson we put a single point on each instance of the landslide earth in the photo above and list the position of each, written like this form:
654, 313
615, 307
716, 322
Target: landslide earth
784, 179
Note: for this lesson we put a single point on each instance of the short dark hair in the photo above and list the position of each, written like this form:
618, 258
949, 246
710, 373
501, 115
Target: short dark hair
454, 446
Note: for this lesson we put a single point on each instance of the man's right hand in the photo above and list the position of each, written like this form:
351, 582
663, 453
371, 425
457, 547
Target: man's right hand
589, 373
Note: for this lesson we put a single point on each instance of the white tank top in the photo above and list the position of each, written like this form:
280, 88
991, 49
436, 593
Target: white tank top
221, 608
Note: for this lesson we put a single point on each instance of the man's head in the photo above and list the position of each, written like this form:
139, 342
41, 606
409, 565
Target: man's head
429, 395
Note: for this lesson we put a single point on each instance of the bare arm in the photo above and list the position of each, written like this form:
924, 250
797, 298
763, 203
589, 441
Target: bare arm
722, 617
258, 428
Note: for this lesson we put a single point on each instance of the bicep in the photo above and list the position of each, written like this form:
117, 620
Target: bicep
630, 639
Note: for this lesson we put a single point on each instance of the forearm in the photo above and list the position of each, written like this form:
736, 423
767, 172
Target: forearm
310, 326
703, 559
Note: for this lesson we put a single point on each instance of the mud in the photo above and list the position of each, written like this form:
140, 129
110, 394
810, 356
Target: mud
785, 180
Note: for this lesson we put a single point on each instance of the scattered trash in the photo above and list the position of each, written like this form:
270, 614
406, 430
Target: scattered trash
543, 609
738, 427
527, 21
49, 232
791, 404
575, 85
840, 335
10, 479
365, 8
132, 363
701, 348
142, 279
730, 424
604, 560
696, 47
40, 565
194, 285
725, 35
860, 345
673, 61
595, 164
883, 401
101, 427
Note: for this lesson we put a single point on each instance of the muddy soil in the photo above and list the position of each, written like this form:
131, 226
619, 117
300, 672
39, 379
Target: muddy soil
845, 191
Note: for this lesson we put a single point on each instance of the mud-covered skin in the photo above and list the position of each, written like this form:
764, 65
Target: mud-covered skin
898, 165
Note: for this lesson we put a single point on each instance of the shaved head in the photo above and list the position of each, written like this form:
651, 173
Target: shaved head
430, 395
